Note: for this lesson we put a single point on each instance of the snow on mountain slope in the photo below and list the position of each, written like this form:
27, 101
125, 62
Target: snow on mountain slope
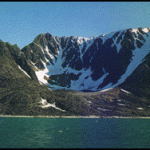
138, 55
96, 63
24, 71
41, 74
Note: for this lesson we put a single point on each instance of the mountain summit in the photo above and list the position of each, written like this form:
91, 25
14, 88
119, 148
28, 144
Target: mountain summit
88, 64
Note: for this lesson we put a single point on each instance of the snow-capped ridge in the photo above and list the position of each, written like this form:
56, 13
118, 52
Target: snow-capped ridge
96, 63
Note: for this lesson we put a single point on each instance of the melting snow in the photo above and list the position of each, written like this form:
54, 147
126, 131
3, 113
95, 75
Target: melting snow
125, 91
43, 101
138, 55
135, 30
89, 42
106, 90
115, 40
41, 73
107, 36
121, 104
45, 104
102, 109
47, 50
119, 100
88, 83
57, 68
40, 47
80, 40
140, 108
24, 71
145, 30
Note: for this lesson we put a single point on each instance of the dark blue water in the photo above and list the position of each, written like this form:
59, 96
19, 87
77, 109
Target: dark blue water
74, 133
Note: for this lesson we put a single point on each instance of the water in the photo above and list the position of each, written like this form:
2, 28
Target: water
74, 133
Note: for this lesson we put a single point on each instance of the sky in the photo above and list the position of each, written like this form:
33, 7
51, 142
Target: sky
21, 22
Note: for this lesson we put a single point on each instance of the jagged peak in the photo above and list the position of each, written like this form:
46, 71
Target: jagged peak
48, 36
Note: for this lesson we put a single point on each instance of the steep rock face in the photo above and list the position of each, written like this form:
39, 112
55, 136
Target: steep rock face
93, 64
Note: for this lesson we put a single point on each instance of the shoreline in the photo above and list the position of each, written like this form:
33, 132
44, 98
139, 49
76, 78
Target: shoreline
91, 116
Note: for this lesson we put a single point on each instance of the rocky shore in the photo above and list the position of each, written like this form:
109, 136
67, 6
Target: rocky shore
91, 116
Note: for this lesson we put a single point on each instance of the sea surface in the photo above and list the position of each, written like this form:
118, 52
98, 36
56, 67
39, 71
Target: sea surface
74, 133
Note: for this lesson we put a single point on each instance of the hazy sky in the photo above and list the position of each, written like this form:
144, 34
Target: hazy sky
21, 22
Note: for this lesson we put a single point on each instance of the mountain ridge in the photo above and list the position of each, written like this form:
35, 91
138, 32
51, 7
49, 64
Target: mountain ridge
106, 57
112, 69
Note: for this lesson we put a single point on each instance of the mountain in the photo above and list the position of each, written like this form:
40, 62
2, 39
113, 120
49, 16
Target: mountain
88, 64
139, 81
106, 75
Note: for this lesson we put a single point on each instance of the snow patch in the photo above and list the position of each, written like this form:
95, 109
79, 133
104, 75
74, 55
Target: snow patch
119, 100
125, 91
118, 46
55, 40
108, 86
45, 104
106, 90
102, 109
43, 101
24, 71
137, 59
140, 108
134, 30
57, 68
41, 73
145, 30
40, 47
89, 42
84, 83
107, 36
121, 104
80, 40
47, 50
